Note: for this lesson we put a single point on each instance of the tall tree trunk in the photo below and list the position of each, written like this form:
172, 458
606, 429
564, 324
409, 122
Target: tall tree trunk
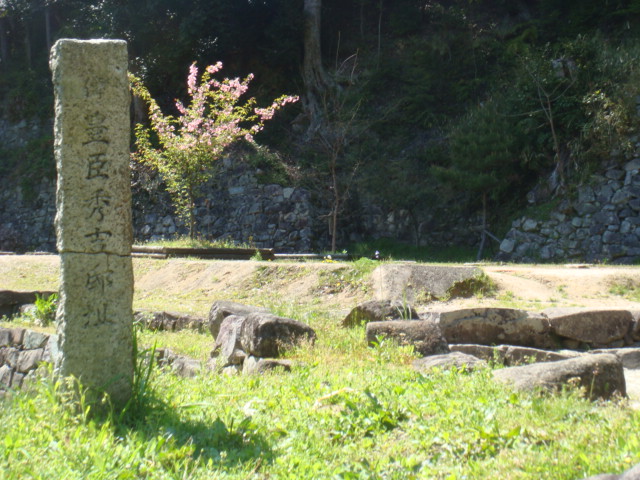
483, 237
4, 47
316, 80
47, 26
27, 45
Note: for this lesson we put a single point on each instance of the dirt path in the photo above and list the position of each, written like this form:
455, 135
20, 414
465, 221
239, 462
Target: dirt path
184, 280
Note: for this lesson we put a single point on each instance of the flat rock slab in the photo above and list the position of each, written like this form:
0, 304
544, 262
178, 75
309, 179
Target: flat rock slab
495, 326
425, 337
592, 327
511, 355
447, 361
600, 375
413, 283
379, 311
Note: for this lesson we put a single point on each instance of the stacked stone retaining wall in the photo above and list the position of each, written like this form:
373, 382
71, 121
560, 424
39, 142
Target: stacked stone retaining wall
21, 351
601, 223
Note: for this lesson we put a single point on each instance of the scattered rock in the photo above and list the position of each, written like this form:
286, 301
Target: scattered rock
590, 327
601, 375
426, 337
181, 365
228, 347
255, 365
379, 311
169, 321
412, 283
491, 326
224, 308
264, 334
448, 360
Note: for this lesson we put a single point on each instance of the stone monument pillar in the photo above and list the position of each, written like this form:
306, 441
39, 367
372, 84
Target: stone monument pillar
93, 218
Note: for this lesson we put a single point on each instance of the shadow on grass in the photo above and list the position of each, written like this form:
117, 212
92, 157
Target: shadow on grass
220, 440
175, 436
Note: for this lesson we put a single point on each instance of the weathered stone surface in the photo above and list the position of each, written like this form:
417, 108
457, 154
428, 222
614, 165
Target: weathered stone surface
255, 365
92, 146
592, 327
515, 355
379, 311
16, 334
635, 331
630, 357
169, 321
93, 217
601, 375
28, 360
484, 352
265, 335
511, 355
6, 374
411, 283
95, 320
491, 326
228, 347
447, 361
34, 339
224, 308
425, 336
5, 337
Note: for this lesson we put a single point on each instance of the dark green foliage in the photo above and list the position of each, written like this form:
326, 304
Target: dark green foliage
460, 98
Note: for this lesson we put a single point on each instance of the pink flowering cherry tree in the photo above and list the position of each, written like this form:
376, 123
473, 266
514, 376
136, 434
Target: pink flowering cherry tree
186, 146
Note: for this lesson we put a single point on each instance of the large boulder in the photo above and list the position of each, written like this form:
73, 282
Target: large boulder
228, 347
224, 308
448, 360
593, 328
494, 326
414, 283
379, 311
425, 337
600, 375
265, 335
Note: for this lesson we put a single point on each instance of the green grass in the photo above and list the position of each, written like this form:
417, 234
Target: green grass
346, 411
362, 414
186, 242
627, 288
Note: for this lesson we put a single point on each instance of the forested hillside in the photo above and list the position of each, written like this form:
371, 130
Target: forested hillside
470, 105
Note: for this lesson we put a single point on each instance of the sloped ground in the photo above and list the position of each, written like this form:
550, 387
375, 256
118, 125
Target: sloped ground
190, 286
